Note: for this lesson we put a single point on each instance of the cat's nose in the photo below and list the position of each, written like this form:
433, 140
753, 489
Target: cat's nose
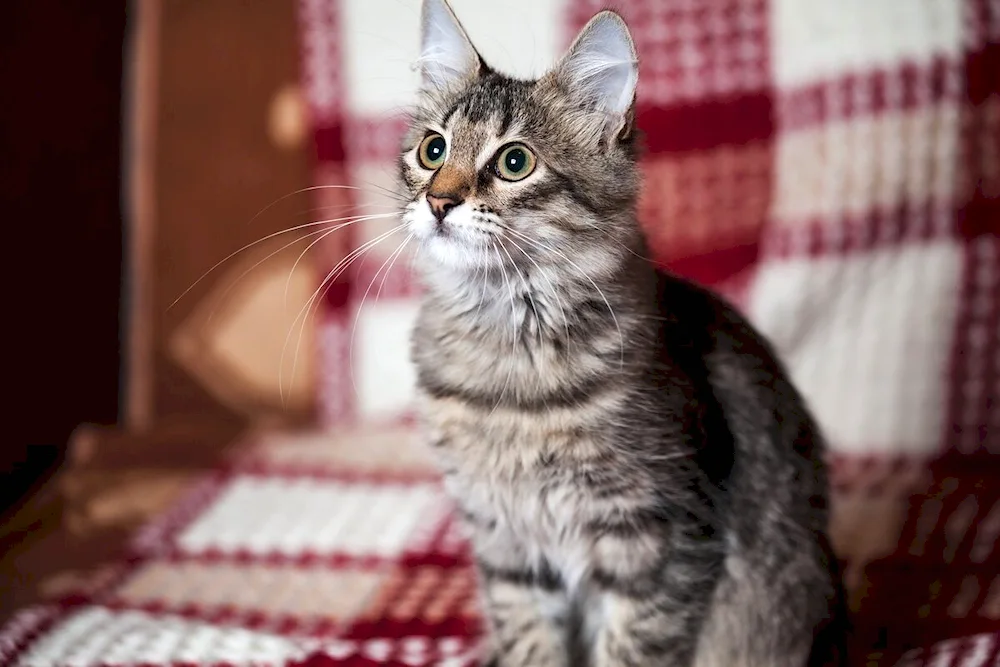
441, 204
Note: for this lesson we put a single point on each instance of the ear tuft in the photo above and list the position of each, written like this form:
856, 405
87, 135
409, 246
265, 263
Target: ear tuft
447, 56
602, 68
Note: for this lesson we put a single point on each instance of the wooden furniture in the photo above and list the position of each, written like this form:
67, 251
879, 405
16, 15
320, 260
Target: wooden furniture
211, 133
214, 165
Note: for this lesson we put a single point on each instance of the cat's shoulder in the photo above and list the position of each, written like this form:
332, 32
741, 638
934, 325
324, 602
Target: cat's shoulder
685, 301
707, 317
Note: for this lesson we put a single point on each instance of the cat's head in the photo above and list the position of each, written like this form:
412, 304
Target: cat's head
504, 171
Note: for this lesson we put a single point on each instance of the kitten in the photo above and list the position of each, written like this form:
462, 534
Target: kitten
642, 483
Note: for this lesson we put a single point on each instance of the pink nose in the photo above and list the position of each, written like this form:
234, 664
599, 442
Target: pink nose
441, 204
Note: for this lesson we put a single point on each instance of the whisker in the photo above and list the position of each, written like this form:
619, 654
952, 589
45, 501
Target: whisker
300, 191
378, 294
357, 314
513, 323
222, 297
258, 242
398, 196
482, 294
378, 216
340, 207
314, 299
486, 285
527, 287
552, 289
539, 244
413, 259
319, 293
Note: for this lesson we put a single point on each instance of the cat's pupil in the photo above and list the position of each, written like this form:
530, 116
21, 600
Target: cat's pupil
516, 159
435, 148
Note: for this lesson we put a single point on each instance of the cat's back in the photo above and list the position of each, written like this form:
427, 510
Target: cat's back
709, 338
775, 478
707, 324
757, 422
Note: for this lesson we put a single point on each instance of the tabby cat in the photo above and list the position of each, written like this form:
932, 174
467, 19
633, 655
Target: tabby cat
641, 482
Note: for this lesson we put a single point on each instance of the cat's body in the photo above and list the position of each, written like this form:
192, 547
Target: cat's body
686, 478
642, 484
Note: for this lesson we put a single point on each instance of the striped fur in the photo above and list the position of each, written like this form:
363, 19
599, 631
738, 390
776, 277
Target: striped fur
641, 482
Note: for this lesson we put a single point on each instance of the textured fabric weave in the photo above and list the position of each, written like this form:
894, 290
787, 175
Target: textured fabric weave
831, 166
310, 550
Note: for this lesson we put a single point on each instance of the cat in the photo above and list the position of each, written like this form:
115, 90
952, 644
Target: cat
641, 483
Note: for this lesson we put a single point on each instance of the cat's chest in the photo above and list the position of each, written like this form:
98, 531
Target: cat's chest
519, 475
535, 512
533, 501
518, 480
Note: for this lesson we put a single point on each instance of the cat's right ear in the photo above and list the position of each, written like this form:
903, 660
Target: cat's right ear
601, 70
447, 57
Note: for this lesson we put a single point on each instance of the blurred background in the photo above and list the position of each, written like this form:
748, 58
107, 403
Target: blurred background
175, 172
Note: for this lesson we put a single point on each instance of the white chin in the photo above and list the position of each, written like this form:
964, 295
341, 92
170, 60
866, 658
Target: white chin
453, 253
460, 249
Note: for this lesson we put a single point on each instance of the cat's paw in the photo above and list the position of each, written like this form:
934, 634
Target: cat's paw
490, 659
488, 655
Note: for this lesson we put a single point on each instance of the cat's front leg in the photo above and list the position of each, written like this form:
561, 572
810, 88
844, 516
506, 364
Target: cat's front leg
651, 608
641, 631
527, 612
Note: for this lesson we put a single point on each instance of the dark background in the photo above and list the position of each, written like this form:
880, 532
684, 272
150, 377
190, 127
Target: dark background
60, 152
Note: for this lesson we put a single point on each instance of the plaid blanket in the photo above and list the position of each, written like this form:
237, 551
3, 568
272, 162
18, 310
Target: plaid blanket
831, 166
302, 551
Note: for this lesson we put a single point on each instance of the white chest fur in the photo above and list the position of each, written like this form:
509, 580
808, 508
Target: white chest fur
513, 475
530, 515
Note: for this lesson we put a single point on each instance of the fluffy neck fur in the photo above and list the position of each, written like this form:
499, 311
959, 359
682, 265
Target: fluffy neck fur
525, 335
529, 297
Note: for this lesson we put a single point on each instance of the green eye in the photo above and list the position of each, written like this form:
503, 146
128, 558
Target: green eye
515, 162
432, 152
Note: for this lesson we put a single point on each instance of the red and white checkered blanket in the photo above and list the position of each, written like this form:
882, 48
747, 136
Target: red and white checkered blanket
830, 165
305, 551
833, 166
302, 545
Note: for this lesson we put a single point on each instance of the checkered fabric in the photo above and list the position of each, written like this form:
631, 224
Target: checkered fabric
309, 545
304, 551
831, 166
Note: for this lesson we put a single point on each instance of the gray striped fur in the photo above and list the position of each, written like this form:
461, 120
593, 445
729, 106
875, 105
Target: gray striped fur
641, 482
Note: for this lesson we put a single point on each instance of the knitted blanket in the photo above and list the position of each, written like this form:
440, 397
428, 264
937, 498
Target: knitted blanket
301, 551
830, 166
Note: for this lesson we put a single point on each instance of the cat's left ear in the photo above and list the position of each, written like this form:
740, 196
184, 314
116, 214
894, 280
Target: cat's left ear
447, 56
601, 69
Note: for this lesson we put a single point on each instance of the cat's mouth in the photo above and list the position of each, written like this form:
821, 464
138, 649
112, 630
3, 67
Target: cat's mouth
462, 237
468, 237
442, 229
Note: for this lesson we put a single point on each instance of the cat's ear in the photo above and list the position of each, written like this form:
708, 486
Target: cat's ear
601, 68
447, 56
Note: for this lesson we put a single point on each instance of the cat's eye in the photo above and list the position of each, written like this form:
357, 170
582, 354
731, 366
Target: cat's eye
515, 162
432, 152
